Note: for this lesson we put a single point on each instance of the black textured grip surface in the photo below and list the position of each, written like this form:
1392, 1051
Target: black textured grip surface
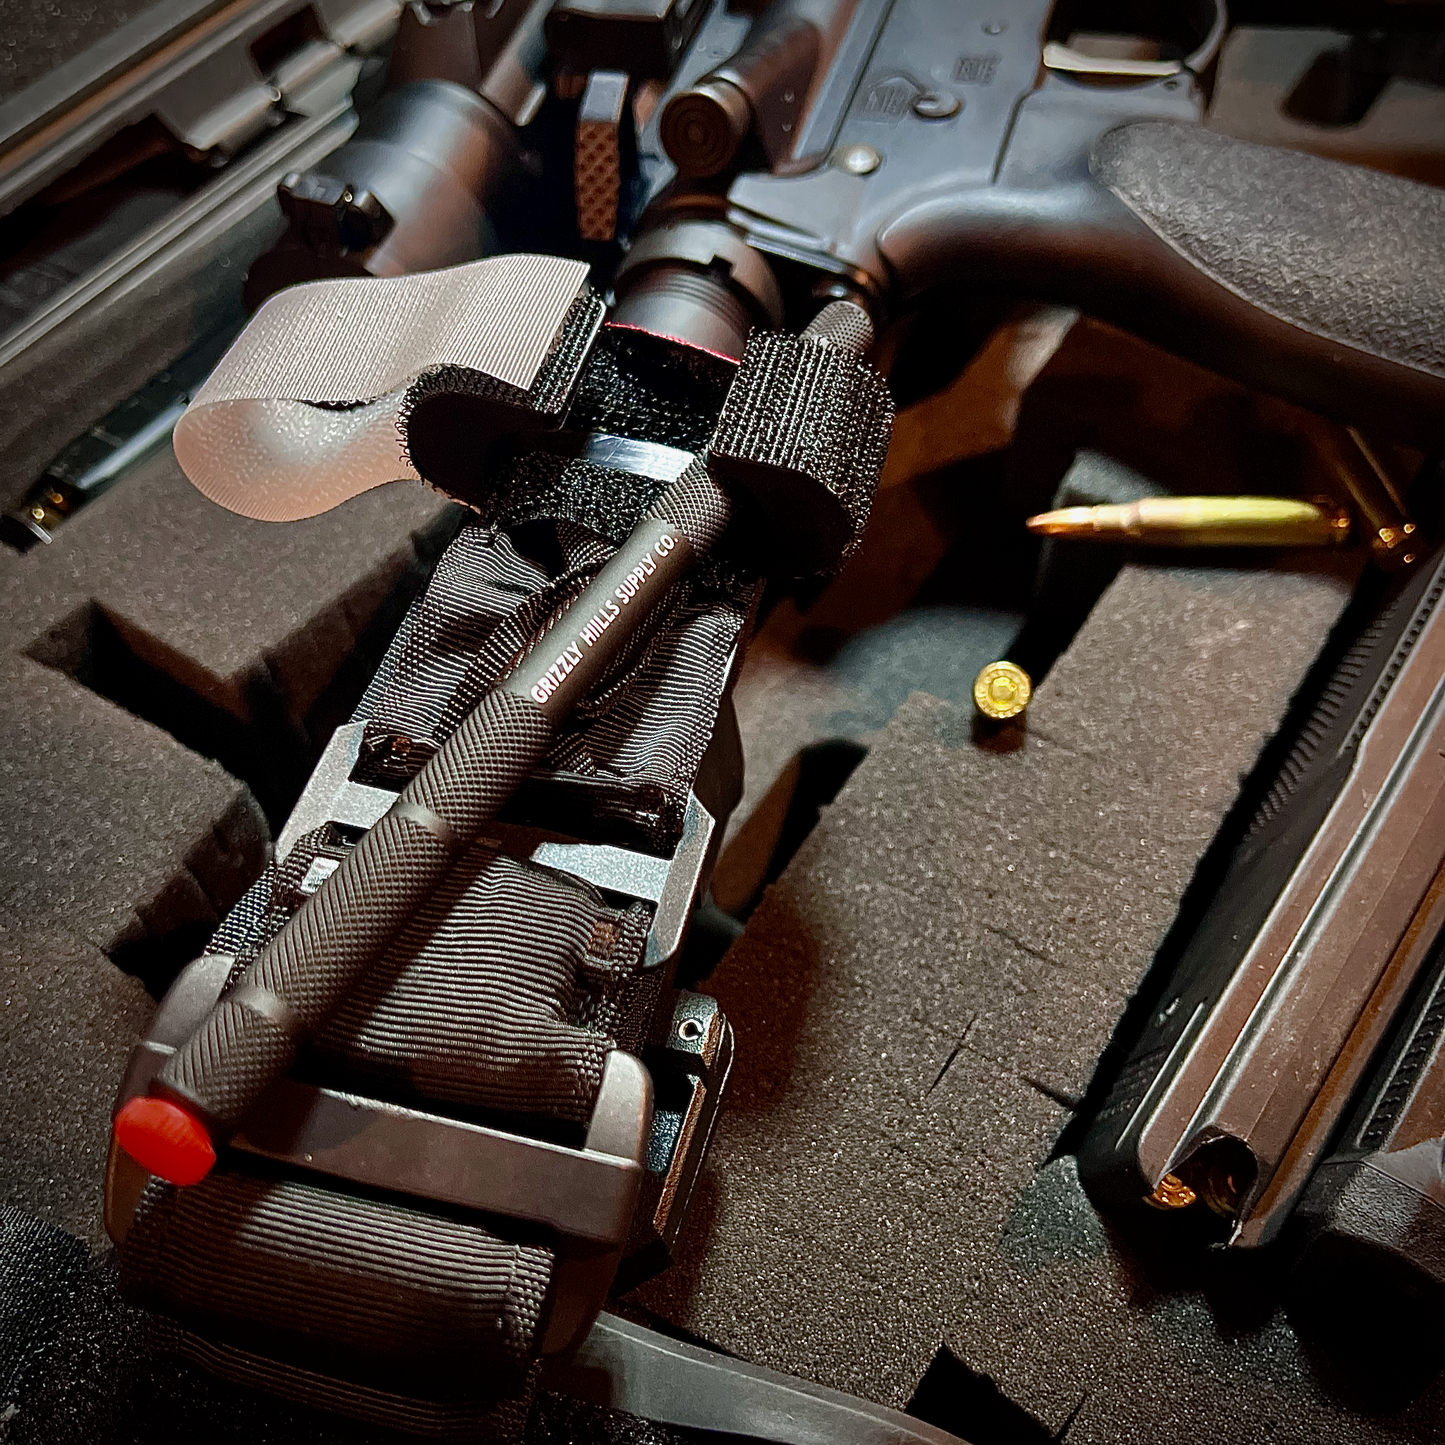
431, 1303
493, 749
1350, 254
452, 413
805, 430
696, 506
225, 1066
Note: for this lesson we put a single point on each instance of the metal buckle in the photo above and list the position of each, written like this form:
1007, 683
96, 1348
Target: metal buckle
588, 1196
621, 1199
671, 884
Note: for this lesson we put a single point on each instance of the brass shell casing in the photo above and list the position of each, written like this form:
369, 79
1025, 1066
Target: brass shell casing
1002, 690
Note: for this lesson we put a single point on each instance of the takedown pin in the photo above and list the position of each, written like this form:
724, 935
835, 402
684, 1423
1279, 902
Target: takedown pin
1201, 522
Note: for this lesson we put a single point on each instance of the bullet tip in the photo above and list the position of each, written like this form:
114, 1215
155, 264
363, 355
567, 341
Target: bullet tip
1064, 522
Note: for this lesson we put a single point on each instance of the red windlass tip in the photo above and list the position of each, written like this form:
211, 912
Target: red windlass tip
165, 1140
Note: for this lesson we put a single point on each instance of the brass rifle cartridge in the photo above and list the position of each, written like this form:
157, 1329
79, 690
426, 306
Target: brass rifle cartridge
1202, 522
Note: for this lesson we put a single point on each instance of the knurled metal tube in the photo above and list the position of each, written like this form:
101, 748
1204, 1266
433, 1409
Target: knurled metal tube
251, 1038
843, 324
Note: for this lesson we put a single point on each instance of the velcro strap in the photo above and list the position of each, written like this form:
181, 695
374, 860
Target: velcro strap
805, 431
305, 410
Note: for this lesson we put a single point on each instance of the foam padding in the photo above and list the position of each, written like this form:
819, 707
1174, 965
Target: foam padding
43, 1269
68, 1017
228, 606
1134, 1341
1071, 578
922, 998
122, 848
100, 1380
168, 669
113, 830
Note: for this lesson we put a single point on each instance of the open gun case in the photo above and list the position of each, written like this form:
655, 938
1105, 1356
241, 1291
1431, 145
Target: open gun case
958, 956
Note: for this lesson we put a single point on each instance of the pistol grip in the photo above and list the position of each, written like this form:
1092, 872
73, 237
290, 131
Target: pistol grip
1318, 281
1350, 260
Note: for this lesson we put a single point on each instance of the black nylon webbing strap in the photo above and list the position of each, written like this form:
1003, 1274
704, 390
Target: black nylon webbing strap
484, 602
222, 1070
351, 1286
628, 761
502, 994
502, 997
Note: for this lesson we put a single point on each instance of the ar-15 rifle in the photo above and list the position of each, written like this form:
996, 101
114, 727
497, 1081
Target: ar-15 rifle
893, 149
